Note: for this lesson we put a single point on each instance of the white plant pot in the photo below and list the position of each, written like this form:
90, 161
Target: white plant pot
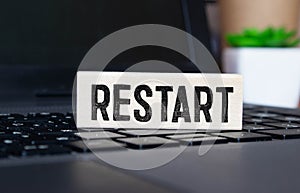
271, 75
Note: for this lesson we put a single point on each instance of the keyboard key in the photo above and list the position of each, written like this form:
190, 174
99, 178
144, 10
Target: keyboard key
251, 127
46, 114
197, 138
14, 149
96, 145
17, 125
147, 142
264, 114
283, 133
13, 116
95, 129
258, 120
52, 133
151, 132
45, 150
284, 125
204, 140
4, 136
184, 136
98, 135
3, 154
290, 119
244, 136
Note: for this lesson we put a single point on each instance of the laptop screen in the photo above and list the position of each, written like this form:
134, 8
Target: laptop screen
60, 32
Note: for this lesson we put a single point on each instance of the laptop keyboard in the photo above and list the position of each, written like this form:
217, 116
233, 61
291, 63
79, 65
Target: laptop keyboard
55, 133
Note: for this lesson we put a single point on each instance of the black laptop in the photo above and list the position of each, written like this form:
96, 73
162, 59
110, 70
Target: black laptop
41, 46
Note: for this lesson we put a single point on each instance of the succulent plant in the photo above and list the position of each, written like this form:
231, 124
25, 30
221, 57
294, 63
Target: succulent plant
269, 37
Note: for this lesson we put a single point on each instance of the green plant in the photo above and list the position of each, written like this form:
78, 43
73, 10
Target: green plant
269, 37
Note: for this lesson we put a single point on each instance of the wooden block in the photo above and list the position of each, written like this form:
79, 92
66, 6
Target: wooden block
159, 100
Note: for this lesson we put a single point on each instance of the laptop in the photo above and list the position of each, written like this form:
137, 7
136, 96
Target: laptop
41, 150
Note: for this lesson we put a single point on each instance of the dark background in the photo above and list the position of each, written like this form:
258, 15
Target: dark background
60, 32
